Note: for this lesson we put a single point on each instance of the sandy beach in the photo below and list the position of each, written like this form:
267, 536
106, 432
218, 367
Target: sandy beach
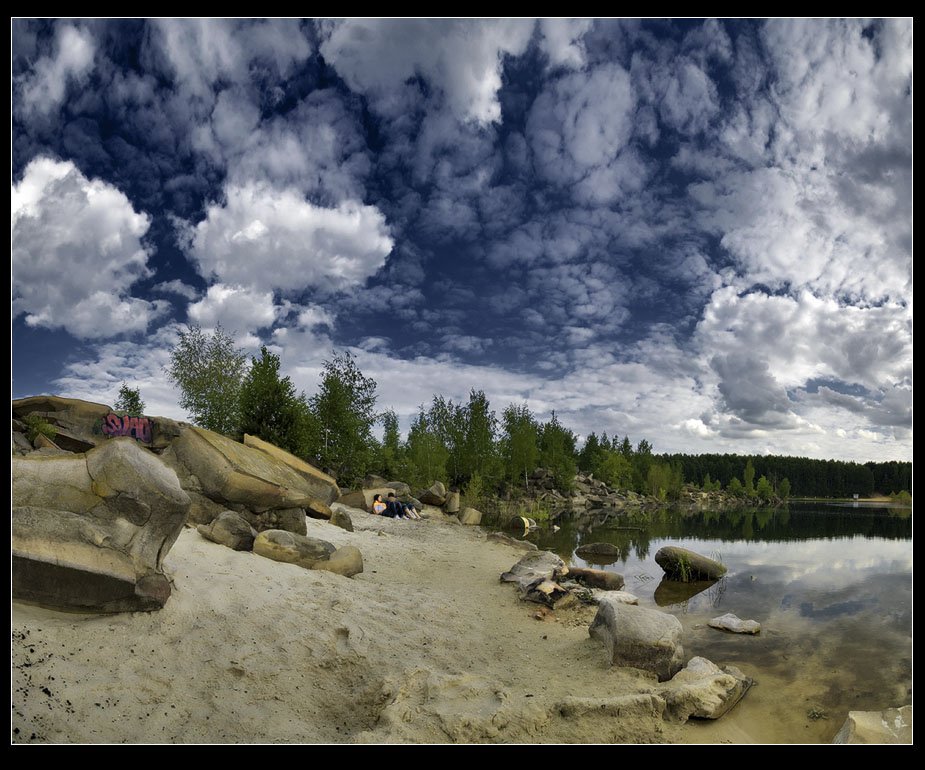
425, 646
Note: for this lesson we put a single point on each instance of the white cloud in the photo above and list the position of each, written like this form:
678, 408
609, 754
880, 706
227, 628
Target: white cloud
265, 239
177, 287
76, 251
43, 90
236, 308
579, 128
562, 41
462, 59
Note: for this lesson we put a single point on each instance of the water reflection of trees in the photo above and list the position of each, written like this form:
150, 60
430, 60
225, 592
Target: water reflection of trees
632, 534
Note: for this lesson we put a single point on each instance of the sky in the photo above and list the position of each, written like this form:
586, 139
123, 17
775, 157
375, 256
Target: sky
694, 232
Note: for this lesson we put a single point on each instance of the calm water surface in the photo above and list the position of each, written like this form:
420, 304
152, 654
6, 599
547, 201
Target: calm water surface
831, 586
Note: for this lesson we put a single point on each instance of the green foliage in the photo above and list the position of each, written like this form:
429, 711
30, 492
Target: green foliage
36, 425
902, 497
480, 455
208, 370
709, 485
764, 490
129, 401
783, 489
344, 411
734, 487
448, 423
664, 481
556, 446
426, 453
391, 461
749, 477
614, 470
474, 492
271, 410
519, 442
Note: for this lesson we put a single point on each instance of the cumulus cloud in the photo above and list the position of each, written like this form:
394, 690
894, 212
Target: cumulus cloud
269, 239
579, 128
43, 89
750, 391
561, 41
461, 59
177, 287
76, 251
236, 308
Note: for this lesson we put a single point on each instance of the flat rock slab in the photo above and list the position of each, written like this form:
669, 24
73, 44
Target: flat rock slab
887, 726
637, 637
535, 565
324, 487
686, 566
623, 597
731, 622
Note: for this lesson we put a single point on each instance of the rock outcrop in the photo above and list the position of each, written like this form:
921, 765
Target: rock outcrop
733, 623
229, 529
704, 690
452, 503
90, 531
887, 726
319, 485
686, 566
308, 552
639, 638
433, 495
470, 516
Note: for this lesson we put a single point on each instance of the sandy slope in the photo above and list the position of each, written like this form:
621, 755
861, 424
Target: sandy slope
425, 646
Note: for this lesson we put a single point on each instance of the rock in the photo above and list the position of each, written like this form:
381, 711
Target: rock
670, 591
21, 443
641, 705
704, 691
686, 566
70, 442
618, 596
203, 510
79, 418
316, 509
90, 531
364, 498
523, 545
41, 441
597, 578
730, 622
231, 530
351, 512
470, 516
889, 726
400, 488
536, 564
597, 549
544, 591
289, 519
371, 480
280, 545
639, 637
435, 495
452, 503
233, 474
319, 485
346, 561
341, 519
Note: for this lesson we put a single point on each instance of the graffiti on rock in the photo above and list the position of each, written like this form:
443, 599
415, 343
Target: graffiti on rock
140, 428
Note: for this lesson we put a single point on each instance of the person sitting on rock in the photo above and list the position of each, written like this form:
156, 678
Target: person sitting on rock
379, 507
397, 509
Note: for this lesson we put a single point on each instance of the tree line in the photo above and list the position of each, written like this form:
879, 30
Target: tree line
466, 444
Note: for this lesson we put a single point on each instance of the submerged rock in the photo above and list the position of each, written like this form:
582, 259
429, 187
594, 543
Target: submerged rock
670, 591
686, 566
731, 622
597, 578
639, 637
597, 549
704, 691
887, 726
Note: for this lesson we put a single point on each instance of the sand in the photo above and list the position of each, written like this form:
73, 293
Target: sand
425, 646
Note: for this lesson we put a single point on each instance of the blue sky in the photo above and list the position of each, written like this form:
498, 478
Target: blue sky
698, 233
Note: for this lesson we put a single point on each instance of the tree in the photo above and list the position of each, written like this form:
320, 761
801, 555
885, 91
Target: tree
344, 410
129, 401
208, 370
519, 441
614, 470
783, 489
764, 490
426, 453
271, 410
391, 454
734, 487
557, 452
749, 477
480, 456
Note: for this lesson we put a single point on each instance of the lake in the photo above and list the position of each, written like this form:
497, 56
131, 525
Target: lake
831, 585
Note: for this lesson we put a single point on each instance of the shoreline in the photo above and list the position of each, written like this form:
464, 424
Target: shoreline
425, 646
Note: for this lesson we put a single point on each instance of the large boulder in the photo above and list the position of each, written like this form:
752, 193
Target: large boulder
363, 498
434, 495
686, 566
90, 531
536, 564
704, 691
887, 726
470, 516
400, 488
639, 638
597, 549
290, 519
340, 518
229, 529
371, 480
452, 503
80, 419
308, 552
597, 578
234, 475
321, 486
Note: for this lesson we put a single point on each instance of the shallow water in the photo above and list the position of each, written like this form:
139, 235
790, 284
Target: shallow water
830, 585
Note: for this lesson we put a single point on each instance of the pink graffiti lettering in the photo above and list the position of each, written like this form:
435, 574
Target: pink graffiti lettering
137, 427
